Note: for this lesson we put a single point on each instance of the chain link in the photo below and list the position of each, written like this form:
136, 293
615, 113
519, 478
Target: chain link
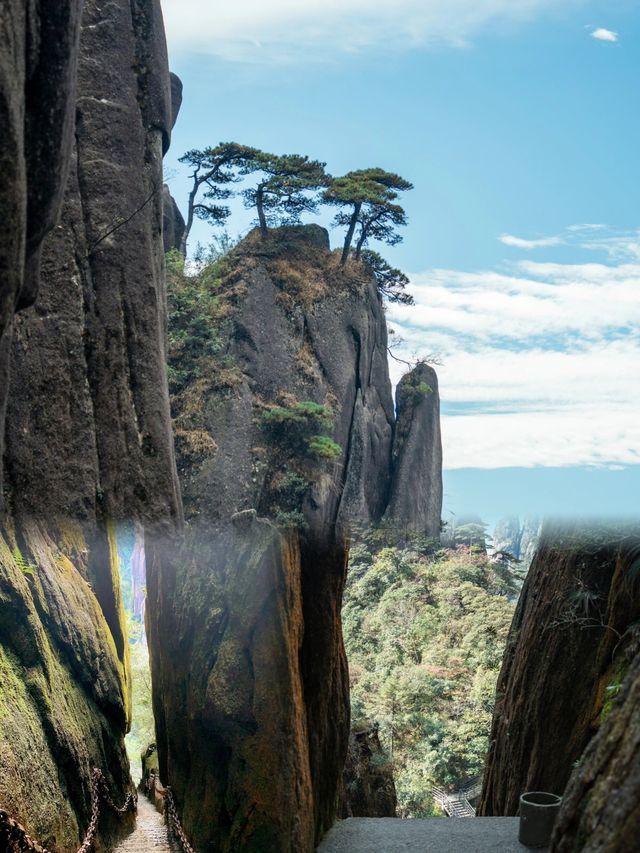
14, 834
171, 816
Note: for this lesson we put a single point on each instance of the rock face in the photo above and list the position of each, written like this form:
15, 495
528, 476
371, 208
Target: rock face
88, 429
518, 538
64, 701
173, 224
297, 425
573, 631
88, 432
416, 489
37, 85
601, 805
369, 789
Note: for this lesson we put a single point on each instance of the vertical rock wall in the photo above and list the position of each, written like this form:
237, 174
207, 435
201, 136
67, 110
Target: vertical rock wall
256, 762
88, 431
37, 86
573, 631
416, 489
601, 805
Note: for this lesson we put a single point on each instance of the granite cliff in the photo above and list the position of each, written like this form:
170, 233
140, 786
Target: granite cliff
292, 438
574, 635
86, 95
601, 804
517, 537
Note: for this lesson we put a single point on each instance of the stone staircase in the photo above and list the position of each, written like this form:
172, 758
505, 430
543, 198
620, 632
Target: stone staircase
150, 834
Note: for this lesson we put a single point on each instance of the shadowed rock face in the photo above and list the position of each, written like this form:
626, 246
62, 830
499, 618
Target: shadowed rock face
601, 805
88, 433
369, 789
257, 611
88, 430
573, 629
173, 224
37, 84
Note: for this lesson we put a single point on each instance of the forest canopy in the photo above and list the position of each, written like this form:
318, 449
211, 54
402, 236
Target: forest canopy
425, 632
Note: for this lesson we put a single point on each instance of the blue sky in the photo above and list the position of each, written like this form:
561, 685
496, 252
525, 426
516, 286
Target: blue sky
516, 126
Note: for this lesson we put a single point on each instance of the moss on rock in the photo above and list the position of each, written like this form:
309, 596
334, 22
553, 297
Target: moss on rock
64, 687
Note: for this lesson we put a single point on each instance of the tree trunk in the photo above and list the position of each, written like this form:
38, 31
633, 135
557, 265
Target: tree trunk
361, 241
261, 216
190, 214
350, 233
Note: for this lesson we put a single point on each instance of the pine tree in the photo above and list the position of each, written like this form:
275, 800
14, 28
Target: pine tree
287, 188
367, 198
214, 169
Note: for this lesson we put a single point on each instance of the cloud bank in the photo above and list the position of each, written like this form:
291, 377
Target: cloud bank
286, 30
540, 361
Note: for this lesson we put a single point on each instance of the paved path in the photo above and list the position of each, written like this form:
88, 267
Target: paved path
433, 835
150, 834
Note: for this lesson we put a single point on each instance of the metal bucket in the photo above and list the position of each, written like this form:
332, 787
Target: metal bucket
538, 812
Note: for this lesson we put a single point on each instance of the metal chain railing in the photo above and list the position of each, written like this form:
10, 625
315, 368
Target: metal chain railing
13, 834
173, 821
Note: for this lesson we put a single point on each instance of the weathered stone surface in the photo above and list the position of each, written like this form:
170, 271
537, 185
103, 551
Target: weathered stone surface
257, 768
329, 347
64, 694
88, 424
173, 224
238, 760
88, 438
601, 805
368, 789
416, 489
38, 56
574, 623
431, 835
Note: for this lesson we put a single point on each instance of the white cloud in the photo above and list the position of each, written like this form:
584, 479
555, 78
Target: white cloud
543, 439
604, 35
587, 226
592, 236
540, 362
305, 29
521, 243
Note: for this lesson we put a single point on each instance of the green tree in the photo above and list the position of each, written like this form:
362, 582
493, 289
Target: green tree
287, 187
367, 200
425, 632
214, 169
391, 281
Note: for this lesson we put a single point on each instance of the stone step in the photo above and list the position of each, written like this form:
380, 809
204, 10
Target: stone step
150, 834
431, 835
